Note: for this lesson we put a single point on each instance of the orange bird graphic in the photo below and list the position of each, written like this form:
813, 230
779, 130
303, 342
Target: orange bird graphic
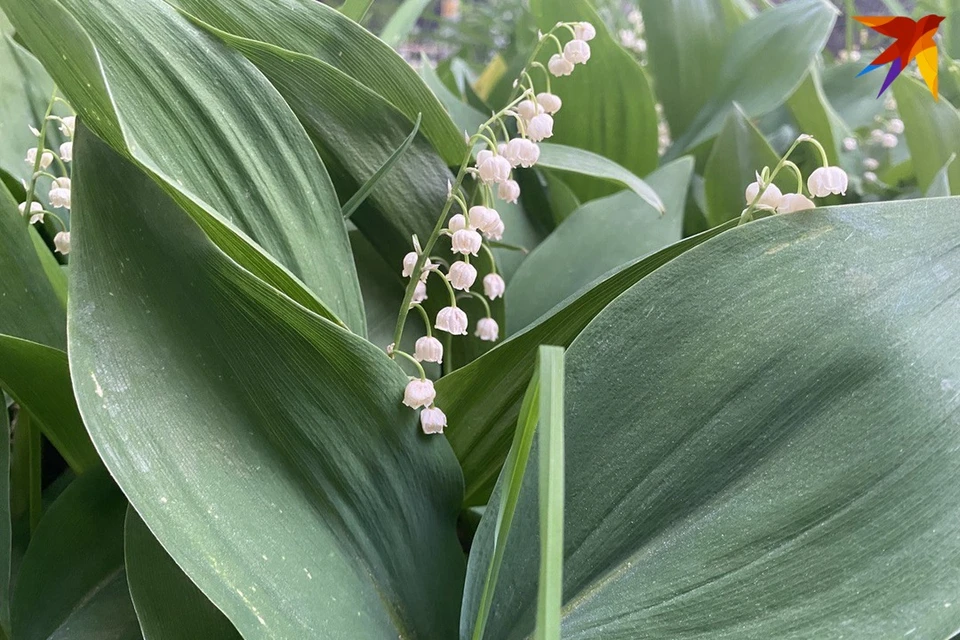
914, 39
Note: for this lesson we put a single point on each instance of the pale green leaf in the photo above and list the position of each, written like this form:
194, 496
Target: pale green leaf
932, 130
403, 20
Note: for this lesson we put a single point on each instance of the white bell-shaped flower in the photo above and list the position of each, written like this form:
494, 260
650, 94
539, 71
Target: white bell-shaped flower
888, 141
509, 191
493, 286
540, 128
68, 125
62, 242
419, 393
484, 218
551, 103
522, 152
770, 198
871, 164
457, 222
419, 293
895, 126
432, 420
849, 143
584, 31
791, 202
869, 176
826, 180
528, 109
487, 329
428, 349
493, 169
59, 195
452, 320
496, 231
462, 275
577, 51
46, 158
66, 151
466, 242
559, 66
34, 207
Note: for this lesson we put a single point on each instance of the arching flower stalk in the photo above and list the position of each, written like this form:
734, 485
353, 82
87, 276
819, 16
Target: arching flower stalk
493, 157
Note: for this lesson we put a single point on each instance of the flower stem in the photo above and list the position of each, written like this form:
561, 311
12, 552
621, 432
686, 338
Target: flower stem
41, 145
748, 212
423, 374
426, 319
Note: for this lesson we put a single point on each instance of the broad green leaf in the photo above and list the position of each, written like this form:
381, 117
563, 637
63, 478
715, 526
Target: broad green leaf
578, 161
482, 400
562, 200
403, 20
738, 155
38, 377
363, 192
466, 117
168, 605
355, 9
854, 99
316, 30
932, 130
6, 528
210, 129
771, 452
766, 61
816, 117
600, 236
686, 40
940, 186
29, 306
72, 582
608, 106
266, 447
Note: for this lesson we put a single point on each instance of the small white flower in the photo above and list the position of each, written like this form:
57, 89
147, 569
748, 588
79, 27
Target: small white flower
419, 393
791, 202
584, 31
888, 141
462, 275
432, 420
551, 103
559, 66
419, 293
871, 163
541, 127
855, 55
876, 135
66, 151
890, 103
452, 320
577, 52
826, 180
466, 242
493, 286
428, 349
849, 144
869, 176
493, 169
895, 126
528, 109
59, 195
62, 242
770, 198
496, 232
457, 222
483, 218
45, 159
509, 191
487, 329
522, 152
34, 207
68, 125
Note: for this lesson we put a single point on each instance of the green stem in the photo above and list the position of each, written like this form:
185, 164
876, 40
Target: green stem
493, 261
41, 145
423, 374
426, 319
482, 300
851, 9
796, 172
748, 212
34, 473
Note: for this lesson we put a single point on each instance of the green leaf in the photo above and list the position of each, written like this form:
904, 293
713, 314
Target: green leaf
686, 40
38, 378
816, 117
29, 305
168, 605
854, 99
940, 187
403, 20
608, 106
579, 161
482, 399
738, 155
211, 130
598, 237
249, 413
771, 452
319, 31
550, 441
767, 60
932, 130
355, 9
72, 582
466, 117
6, 528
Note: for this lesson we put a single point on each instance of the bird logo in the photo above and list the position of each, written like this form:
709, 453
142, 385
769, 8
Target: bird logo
914, 39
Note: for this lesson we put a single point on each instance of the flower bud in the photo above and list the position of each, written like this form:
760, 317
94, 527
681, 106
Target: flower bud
895, 126
457, 222
59, 195
487, 329
559, 66
849, 144
432, 420
509, 191
483, 218
770, 198
871, 164
46, 158
493, 286
540, 127
428, 349
584, 31
466, 242
888, 141
528, 109
462, 275
68, 125
419, 293
419, 393
577, 51
550, 102
452, 320
791, 202
826, 180
66, 151
62, 242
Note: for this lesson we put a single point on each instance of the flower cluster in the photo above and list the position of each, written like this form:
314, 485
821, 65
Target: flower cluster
471, 230
41, 160
764, 195
884, 137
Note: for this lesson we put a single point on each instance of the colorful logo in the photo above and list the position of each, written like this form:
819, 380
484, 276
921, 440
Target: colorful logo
914, 39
